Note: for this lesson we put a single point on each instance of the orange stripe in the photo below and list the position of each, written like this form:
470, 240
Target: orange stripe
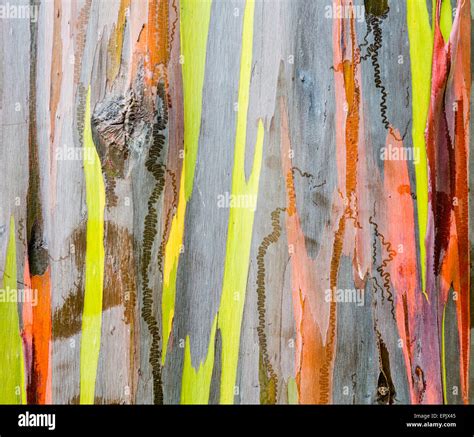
37, 336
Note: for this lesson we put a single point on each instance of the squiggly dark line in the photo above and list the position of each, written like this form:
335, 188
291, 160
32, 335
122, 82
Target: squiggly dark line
381, 269
307, 175
329, 350
174, 186
365, 43
21, 228
169, 216
373, 52
175, 21
157, 168
302, 173
374, 24
262, 250
374, 262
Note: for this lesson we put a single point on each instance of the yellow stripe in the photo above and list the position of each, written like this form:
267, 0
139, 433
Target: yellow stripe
12, 364
94, 275
239, 235
292, 391
194, 27
421, 51
195, 385
446, 19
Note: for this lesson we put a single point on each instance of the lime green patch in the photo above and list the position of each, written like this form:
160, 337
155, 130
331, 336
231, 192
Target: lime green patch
292, 392
194, 28
94, 272
195, 385
421, 52
239, 234
167, 304
12, 364
446, 19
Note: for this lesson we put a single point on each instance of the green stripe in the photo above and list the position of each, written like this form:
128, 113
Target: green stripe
12, 370
92, 314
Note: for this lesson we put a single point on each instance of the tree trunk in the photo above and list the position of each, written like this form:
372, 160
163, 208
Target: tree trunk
246, 201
